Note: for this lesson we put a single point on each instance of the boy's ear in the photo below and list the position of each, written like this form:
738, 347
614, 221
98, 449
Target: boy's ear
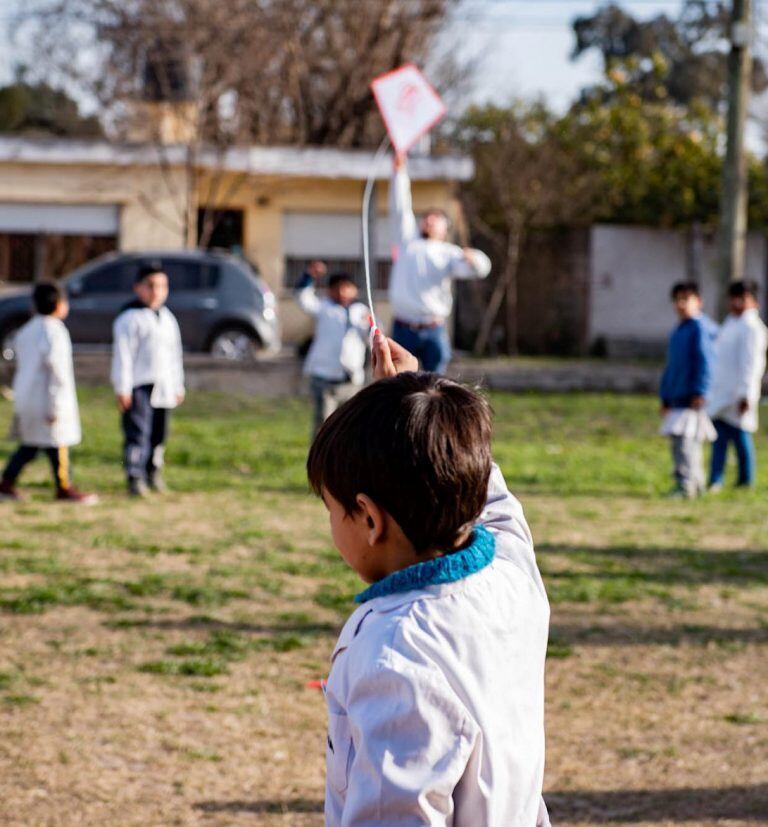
375, 518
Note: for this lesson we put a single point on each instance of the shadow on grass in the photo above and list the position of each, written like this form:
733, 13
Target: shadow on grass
622, 635
749, 803
210, 624
294, 805
669, 566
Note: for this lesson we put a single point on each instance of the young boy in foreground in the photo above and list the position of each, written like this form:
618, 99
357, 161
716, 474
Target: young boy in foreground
148, 378
46, 413
684, 384
436, 690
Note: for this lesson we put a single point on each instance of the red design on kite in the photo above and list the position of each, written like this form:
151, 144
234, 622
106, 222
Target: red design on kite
408, 98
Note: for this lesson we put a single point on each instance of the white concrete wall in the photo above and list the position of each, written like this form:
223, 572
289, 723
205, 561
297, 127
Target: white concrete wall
632, 271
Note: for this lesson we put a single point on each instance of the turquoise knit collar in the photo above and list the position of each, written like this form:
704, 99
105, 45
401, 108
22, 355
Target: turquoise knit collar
446, 569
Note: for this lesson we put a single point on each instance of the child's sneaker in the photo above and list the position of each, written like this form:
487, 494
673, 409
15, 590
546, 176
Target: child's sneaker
8, 492
137, 487
157, 483
72, 495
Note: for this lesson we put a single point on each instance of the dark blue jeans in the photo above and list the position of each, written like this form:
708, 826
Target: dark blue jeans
144, 429
429, 345
745, 453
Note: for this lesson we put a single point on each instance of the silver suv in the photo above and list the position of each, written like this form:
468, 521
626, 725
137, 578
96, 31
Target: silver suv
222, 304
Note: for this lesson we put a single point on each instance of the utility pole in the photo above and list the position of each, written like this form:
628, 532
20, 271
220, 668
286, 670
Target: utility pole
733, 201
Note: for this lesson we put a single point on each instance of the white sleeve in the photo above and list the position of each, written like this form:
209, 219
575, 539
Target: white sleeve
54, 360
402, 219
411, 743
478, 267
308, 300
178, 360
122, 355
503, 516
750, 362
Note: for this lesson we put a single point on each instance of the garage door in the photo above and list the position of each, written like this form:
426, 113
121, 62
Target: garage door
60, 219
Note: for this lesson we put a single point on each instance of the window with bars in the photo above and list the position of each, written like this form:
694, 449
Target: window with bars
294, 267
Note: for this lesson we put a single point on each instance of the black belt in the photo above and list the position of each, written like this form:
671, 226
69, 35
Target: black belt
419, 325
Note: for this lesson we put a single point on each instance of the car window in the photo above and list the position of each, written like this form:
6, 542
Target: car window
184, 274
111, 278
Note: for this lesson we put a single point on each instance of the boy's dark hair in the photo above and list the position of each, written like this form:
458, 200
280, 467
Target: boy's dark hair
340, 278
145, 271
46, 296
419, 445
743, 288
684, 288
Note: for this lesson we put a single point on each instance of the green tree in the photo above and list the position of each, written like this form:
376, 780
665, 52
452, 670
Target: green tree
39, 109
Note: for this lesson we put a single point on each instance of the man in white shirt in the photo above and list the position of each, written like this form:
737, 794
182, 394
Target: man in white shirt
425, 263
336, 359
148, 378
734, 395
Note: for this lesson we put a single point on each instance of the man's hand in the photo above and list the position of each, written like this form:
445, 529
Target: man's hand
664, 410
124, 402
743, 406
390, 358
180, 397
399, 160
697, 402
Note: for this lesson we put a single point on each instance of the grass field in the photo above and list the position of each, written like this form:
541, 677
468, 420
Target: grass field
154, 656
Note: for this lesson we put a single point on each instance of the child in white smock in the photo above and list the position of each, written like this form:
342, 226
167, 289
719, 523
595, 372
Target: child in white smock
436, 688
46, 415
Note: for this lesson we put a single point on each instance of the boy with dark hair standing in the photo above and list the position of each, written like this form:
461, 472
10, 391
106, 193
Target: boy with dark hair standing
436, 690
736, 385
335, 363
46, 413
684, 385
148, 378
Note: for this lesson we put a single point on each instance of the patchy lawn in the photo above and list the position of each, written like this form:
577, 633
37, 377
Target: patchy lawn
154, 656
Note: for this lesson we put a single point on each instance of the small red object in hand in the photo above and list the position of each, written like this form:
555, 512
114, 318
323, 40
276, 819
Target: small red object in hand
317, 684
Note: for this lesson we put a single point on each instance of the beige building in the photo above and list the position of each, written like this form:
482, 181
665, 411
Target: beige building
63, 202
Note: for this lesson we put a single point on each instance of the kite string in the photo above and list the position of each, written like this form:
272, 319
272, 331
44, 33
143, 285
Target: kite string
383, 146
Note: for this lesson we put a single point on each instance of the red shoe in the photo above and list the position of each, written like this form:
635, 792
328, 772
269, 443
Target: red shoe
72, 495
8, 492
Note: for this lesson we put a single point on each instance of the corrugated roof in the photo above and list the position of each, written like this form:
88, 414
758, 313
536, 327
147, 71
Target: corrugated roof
313, 162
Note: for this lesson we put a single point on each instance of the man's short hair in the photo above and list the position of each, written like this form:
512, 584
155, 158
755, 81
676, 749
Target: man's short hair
417, 444
45, 297
685, 288
340, 278
745, 287
147, 270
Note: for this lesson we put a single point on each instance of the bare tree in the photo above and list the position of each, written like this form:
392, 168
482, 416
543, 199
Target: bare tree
525, 178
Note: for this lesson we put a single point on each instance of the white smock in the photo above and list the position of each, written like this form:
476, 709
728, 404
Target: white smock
739, 368
436, 696
146, 350
44, 385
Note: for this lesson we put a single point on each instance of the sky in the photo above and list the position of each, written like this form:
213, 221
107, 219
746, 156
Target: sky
526, 43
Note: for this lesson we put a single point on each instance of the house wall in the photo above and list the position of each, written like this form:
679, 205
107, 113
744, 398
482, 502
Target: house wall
150, 204
631, 272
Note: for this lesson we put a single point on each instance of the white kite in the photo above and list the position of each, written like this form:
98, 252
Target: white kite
410, 107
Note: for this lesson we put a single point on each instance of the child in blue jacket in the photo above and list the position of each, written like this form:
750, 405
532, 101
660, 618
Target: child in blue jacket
684, 385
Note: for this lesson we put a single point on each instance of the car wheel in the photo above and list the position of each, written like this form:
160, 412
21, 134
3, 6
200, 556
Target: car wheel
8, 343
234, 345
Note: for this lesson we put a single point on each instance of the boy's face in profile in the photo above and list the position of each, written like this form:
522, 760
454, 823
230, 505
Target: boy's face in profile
349, 533
738, 304
687, 305
62, 309
343, 293
152, 290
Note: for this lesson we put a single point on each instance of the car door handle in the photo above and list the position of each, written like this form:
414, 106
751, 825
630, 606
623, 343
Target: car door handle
209, 304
